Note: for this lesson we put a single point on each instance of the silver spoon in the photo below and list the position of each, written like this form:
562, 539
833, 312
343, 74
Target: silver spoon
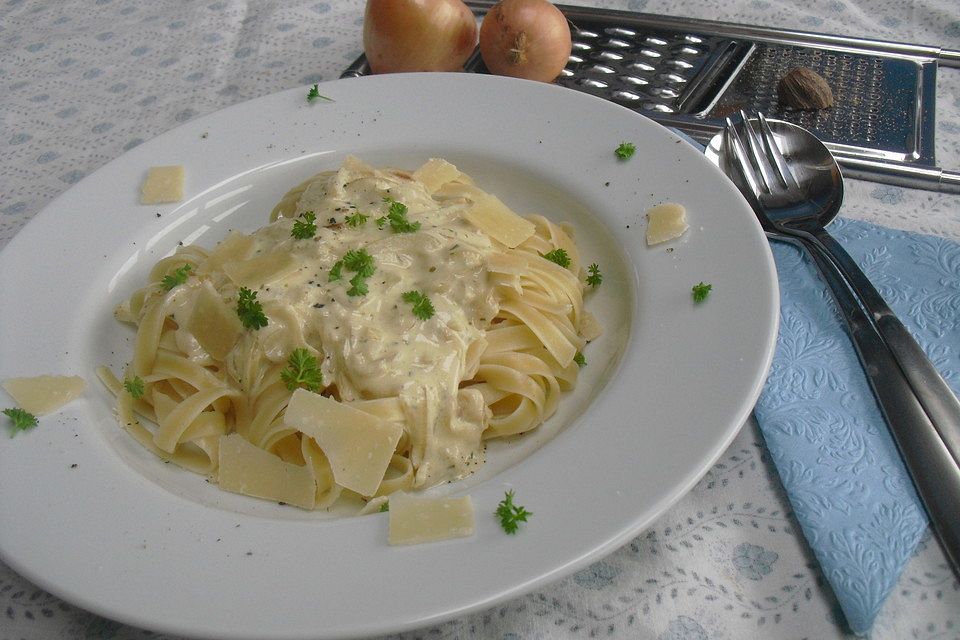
818, 175
799, 216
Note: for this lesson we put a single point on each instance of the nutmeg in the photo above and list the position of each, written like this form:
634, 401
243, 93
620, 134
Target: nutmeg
804, 88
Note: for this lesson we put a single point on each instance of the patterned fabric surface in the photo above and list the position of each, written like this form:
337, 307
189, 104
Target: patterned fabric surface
83, 81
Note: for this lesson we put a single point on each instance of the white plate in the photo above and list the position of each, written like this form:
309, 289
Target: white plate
91, 517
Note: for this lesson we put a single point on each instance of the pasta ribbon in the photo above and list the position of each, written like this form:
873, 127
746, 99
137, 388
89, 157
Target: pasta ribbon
408, 319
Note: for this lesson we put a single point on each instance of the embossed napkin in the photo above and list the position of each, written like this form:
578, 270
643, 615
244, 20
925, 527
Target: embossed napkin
837, 461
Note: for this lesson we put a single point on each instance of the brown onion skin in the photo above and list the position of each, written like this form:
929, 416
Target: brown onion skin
525, 39
418, 35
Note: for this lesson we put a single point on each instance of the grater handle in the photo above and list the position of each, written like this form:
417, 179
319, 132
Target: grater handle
901, 175
949, 58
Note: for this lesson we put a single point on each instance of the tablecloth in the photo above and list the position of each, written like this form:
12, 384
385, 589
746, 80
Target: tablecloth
81, 82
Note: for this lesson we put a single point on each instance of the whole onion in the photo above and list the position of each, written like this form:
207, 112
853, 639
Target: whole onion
418, 35
525, 39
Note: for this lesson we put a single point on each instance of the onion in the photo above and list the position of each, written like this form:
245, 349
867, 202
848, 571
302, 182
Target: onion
525, 39
418, 35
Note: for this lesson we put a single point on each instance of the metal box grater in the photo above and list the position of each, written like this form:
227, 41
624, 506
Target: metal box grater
690, 74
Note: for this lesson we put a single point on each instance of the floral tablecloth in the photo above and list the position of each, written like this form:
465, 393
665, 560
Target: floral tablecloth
83, 81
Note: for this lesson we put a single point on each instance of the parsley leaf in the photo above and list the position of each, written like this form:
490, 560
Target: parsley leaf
580, 359
595, 277
314, 93
335, 271
179, 276
360, 261
511, 515
397, 217
302, 371
134, 387
626, 150
559, 256
356, 220
422, 307
385, 507
306, 228
359, 286
381, 222
700, 292
250, 310
21, 420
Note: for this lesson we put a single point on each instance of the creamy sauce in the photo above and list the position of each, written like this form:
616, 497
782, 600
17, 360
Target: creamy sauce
373, 346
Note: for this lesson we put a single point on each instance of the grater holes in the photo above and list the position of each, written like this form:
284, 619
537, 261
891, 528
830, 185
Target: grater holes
592, 83
641, 66
657, 106
610, 56
600, 68
626, 96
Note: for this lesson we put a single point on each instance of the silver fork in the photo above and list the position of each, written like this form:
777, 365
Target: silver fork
936, 473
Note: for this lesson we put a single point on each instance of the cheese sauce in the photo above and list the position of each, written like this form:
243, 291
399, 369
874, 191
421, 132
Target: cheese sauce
373, 345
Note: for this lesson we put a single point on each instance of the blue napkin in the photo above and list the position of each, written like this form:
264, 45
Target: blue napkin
837, 461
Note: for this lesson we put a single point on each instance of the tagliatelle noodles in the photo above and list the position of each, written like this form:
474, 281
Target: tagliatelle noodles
493, 360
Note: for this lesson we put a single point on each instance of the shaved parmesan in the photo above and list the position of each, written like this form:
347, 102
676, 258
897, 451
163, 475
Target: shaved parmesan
499, 221
358, 445
435, 173
590, 327
213, 323
665, 222
262, 269
252, 471
41, 395
163, 184
415, 520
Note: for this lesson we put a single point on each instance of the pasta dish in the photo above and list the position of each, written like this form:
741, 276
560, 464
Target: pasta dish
369, 339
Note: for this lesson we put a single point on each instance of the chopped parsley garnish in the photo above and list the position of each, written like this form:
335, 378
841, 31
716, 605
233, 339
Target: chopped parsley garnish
580, 359
305, 228
358, 286
626, 150
594, 277
397, 217
700, 292
385, 507
302, 371
314, 93
422, 307
22, 420
134, 387
356, 220
250, 310
335, 271
559, 256
511, 515
179, 276
360, 261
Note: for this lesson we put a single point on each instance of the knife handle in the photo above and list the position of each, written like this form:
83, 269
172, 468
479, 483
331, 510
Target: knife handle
938, 400
936, 474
